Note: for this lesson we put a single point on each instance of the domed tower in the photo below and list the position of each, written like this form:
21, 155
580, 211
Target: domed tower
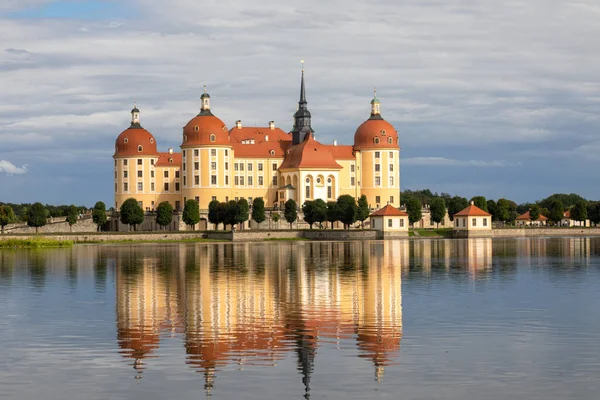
206, 155
135, 153
378, 159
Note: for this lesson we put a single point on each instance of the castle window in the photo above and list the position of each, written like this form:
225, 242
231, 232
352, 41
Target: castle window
352, 181
151, 140
383, 132
236, 180
389, 222
260, 181
249, 167
307, 180
152, 162
152, 186
391, 155
166, 174
275, 181
226, 179
376, 140
124, 162
226, 153
213, 138
391, 181
196, 152
140, 187
377, 181
213, 152
139, 174
235, 167
377, 199
249, 181
377, 167
391, 167
124, 174
196, 180
260, 166
213, 165
272, 152
170, 161
274, 166
166, 187
318, 180
196, 129
196, 166
139, 161
125, 140
176, 174
213, 179
390, 140
125, 187
352, 168
377, 154
226, 166
242, 180
185, 138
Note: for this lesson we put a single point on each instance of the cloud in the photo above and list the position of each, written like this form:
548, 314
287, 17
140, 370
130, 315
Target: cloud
449, 162
11, 169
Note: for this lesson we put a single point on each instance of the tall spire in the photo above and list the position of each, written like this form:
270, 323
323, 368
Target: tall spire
302, 116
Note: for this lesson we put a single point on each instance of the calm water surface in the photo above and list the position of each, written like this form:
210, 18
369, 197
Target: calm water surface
430, 319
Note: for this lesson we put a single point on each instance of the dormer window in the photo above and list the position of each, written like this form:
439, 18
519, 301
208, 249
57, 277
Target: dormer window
272, 152
151, 140
213, 138
170, 161
196, 129
383, 132
125, 140
140, 148
376, 140
390, 140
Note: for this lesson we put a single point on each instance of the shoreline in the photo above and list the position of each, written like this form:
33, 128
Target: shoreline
288, 235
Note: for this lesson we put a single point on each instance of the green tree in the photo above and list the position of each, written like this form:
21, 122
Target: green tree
72, 213
191, 213
232, 212
363, 210
557, 211
456, 204
258, 210
568, 200
99, 215
503, 210
480, 202
438, 210
493, 209
36, 217
164, 214
7, 216
332, 213
308, 209
275, 218
290, 212
594, 212
347, 210
534, 212
413, 209
131, 213
579, 212
320, 211
243, 211
213, 214
222, 214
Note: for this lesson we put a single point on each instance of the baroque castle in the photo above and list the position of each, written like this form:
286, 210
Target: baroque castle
250, 162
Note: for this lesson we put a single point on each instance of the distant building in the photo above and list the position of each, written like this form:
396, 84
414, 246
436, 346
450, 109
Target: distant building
525, 220
217, 163
567, 221
426, 222
472, 218
390, 220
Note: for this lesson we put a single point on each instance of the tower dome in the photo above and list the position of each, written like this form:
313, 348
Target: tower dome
205, 128
376, 133
135, 140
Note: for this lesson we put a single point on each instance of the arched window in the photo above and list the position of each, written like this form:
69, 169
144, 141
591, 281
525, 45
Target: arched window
196, 128
390, 140
125, 140
376, 140
213, 138
170, 161
151, 140
383, 132
272, 152
140, 148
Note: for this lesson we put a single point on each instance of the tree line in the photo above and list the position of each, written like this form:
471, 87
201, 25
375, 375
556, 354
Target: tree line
503, 210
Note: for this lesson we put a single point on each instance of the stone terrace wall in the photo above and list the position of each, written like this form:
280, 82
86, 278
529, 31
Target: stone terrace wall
532, 232
56, 225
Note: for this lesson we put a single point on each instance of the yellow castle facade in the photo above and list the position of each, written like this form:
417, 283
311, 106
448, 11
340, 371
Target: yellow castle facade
217, 163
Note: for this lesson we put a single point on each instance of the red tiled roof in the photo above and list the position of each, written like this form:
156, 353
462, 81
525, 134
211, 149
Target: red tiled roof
259, 134
128, 142
389, 211
198, 131
567, 214
163, 160
365, 135
341, 152
309, 154
261, 150
527, 217
472, 211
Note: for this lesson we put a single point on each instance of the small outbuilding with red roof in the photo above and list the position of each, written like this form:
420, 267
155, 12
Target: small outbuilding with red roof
391, 221
472, 218
525, 219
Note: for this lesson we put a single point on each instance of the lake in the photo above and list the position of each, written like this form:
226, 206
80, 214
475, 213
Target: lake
406, 319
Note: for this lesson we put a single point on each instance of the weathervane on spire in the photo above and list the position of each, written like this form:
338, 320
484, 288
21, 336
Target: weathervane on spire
204, 88
302, 61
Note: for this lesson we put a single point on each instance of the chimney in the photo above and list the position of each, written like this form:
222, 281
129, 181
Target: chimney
272, 125
266, 138
238, 124
170, 150
335, 142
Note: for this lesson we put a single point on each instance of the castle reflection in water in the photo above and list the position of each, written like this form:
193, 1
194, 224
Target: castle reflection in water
252, 303
257, 303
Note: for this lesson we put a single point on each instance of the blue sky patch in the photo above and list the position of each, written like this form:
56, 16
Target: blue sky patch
83, 9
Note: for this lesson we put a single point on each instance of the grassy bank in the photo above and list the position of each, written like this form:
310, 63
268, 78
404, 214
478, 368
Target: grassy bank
434, 233
35, 243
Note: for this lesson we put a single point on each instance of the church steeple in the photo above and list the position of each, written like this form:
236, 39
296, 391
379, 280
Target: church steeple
302, 116
135, 117
205, 103
375, 106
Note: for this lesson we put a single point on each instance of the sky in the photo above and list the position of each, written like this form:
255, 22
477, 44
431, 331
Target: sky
493, 98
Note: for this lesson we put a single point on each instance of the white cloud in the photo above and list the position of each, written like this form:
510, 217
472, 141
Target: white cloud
11, 169
449, 162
